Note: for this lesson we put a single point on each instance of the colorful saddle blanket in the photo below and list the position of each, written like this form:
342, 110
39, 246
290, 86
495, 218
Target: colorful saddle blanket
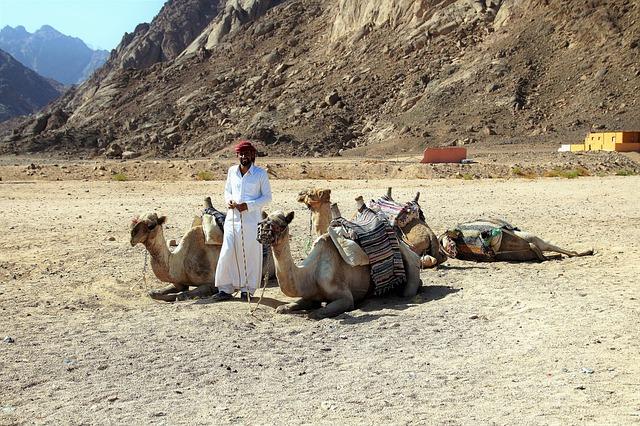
480, 239
397, 214
376, 236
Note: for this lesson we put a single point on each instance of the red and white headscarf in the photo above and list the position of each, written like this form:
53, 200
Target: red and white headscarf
244, 146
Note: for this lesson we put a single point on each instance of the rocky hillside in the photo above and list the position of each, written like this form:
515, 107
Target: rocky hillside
52, 54
340, 77
22, 91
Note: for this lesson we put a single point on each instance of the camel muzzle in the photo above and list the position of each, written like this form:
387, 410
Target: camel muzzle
268, 231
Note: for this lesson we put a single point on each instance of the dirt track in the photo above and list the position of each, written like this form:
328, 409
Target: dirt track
552, 343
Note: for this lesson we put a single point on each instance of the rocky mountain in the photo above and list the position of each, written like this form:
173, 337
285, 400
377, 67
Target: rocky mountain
339, 77
22, 91
52, 54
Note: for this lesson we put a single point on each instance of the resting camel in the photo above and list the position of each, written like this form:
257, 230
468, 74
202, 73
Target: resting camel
318, 201
487, 240
191, 263
417, 234
323, 276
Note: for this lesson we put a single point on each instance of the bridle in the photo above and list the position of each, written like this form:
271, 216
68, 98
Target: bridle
268, 231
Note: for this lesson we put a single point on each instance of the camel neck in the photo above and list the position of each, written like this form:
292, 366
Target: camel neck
287, 273
160, 254
321, 218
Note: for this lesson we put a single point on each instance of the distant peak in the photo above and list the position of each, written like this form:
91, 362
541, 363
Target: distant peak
48, 29
19, 29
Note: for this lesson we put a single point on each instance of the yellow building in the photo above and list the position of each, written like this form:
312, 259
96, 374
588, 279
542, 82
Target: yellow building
608, 141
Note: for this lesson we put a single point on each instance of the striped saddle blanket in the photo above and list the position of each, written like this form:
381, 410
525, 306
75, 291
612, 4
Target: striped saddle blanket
378, 239
397, 214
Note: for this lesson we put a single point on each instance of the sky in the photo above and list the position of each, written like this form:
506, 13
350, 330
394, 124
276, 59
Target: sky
99, 23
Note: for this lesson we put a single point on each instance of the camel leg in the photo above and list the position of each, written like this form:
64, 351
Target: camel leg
334, 308
168, 293
411, 263
204, 290
298, 305
538, 252
427, 261
545, 246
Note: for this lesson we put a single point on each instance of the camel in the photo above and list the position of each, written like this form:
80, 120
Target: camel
191, 263
323, 276
487, 240
416, 233
318, 201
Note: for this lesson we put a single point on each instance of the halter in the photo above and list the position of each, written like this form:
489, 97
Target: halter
268, 230
447, 247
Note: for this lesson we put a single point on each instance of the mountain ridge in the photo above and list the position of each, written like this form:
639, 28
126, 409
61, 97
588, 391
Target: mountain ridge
333, 77
52, 54
22, 91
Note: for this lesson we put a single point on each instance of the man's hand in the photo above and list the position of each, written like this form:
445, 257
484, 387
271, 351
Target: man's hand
239, 206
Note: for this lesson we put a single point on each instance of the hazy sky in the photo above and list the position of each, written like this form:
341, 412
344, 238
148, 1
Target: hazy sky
99, 23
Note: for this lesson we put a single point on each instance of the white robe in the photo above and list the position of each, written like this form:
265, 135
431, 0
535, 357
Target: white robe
254, 189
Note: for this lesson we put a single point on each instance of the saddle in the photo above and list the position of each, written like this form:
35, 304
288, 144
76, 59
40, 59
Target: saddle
375, 236
350, 251
479, 240
397, 214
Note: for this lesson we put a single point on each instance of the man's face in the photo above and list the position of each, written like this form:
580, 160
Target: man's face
246, 157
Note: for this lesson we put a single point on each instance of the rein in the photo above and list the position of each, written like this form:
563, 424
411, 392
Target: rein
144, 268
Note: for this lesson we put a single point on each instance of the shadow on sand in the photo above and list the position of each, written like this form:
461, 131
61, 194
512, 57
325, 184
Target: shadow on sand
425, 294
461, 267
266, 301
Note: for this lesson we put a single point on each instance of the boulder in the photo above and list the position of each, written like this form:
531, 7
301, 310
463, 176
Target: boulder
127, 155
113, 151
332, 98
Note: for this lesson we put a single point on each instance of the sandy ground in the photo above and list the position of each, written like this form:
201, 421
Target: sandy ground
551, 343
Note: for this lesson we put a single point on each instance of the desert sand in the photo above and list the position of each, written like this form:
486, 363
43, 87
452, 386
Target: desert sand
534, 343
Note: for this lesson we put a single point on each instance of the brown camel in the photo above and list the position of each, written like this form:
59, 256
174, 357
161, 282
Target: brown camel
191, 263
416, 233
488, 240
323, 276
318, 201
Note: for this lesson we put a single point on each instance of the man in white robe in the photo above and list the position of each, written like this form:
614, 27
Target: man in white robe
246, 192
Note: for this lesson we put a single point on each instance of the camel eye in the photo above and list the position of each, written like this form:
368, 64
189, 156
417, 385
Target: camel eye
151, 226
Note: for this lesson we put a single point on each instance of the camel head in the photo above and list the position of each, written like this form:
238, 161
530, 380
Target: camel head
145, 227
312, 198
448, 245
274, 227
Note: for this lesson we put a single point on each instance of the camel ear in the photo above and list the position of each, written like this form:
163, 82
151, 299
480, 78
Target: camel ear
135, 228
415, 199
289, 217
264, 215
325, 195
162, 220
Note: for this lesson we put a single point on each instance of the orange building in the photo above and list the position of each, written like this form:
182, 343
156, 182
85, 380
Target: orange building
608, 141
